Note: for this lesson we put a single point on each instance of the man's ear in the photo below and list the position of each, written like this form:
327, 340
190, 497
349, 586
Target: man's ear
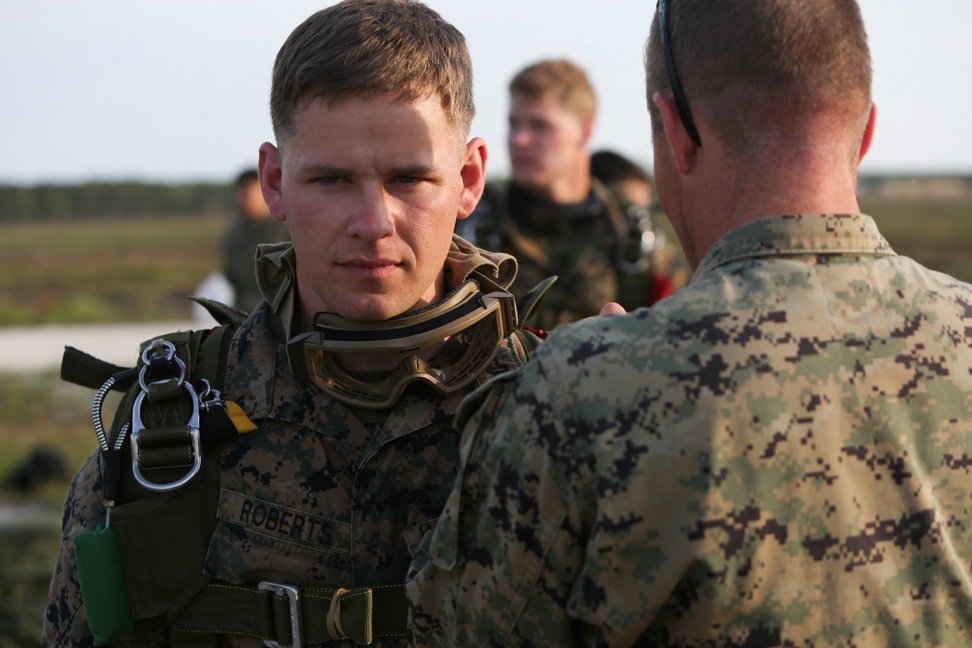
587, 129
473, 174
682, 147
270, 169
868, 133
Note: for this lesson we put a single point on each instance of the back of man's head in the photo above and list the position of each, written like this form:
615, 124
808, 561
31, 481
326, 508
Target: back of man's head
765, 68
560, 79
360, 48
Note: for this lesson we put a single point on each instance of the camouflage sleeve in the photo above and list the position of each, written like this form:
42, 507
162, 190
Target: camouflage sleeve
538, 539
65, 623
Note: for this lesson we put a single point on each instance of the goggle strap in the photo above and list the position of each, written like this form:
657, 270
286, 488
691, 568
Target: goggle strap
374, 334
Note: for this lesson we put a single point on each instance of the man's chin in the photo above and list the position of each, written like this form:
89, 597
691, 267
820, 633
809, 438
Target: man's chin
373, 309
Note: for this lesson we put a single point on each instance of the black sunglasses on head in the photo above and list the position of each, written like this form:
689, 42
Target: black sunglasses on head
680, 101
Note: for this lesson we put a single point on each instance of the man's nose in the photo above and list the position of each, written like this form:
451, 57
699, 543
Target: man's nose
519, 136
374, 216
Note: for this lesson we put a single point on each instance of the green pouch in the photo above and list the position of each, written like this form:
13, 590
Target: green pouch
103, 585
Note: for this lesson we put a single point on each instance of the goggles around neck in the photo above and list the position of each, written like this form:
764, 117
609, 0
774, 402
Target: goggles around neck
445, 345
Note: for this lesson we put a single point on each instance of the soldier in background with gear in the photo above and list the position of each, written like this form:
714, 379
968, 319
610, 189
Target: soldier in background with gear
553, 216
376, 320
775, 455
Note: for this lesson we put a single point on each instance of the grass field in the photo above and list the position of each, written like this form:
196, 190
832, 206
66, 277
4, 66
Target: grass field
105, 271
936, 233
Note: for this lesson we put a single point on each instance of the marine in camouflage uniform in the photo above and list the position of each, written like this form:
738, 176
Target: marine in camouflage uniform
776, 455
354, 451
322, 494
585, 244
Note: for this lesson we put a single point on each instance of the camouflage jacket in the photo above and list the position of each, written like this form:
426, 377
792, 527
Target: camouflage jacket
777, 455
316, 496
580, 244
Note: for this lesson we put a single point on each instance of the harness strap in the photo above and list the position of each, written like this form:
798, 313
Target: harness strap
80, 368
286, 616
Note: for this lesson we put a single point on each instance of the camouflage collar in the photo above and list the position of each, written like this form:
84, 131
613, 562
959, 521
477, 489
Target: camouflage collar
797, 235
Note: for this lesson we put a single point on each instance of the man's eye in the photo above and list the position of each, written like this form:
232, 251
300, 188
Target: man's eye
405, 179
328, 180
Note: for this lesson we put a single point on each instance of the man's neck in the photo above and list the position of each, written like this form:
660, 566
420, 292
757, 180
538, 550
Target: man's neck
569, 191
805, 182
570, 187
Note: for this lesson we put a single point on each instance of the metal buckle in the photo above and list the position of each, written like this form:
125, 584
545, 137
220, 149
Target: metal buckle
193, 425
165, 350
293, 598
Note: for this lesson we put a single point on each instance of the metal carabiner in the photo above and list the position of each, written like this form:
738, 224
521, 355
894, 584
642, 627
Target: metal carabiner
193, 425
210, 397
156, 348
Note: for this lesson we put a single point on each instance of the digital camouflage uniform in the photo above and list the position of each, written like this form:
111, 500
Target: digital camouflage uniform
320, 494
777, 455
579, 243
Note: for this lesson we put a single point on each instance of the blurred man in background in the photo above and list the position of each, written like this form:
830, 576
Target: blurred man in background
251, 226
553, 216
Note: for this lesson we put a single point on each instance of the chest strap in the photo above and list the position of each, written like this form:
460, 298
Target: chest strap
282, 615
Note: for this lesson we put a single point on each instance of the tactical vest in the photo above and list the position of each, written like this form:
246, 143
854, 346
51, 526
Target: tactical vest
142, 570
627, 239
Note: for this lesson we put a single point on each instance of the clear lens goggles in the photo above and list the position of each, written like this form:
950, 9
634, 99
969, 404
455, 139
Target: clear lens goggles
446, 345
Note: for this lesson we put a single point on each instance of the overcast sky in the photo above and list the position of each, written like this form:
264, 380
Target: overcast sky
175, 90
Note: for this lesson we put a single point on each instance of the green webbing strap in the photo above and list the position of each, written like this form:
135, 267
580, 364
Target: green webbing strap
359, 614
80, 368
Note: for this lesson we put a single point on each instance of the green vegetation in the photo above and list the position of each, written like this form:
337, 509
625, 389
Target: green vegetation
94, 200
41, 411
936, 233
114, 270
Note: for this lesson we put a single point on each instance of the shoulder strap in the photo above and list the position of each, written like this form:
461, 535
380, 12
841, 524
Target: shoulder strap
162, 571
614, 205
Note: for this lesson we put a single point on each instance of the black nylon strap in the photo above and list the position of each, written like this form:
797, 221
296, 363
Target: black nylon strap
80, 368
366, 613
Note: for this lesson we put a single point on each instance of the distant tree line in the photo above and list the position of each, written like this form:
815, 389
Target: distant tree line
94, 200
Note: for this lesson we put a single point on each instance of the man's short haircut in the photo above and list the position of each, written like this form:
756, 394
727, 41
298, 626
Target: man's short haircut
758, 66
246, 175
608, 167
363, 48
560, 79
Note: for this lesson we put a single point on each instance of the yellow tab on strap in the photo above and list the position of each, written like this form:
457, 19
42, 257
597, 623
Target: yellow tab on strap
238, 418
